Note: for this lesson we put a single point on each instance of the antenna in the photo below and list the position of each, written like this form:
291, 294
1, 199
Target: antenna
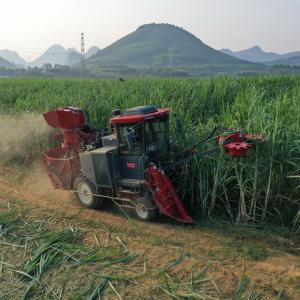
82, 54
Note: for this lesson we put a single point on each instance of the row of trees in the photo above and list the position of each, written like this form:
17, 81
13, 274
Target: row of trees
47, 70
284, 69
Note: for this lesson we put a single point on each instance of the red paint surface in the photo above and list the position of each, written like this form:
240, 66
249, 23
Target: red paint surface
140, 118
131, 165
165, 196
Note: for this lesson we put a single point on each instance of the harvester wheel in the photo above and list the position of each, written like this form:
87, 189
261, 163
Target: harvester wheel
145, 209
85, 192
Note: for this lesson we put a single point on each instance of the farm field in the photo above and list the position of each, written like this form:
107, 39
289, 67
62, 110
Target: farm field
246, 242
52, 248
262, 188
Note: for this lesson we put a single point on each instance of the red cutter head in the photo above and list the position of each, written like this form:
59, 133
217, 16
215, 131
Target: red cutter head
238, 148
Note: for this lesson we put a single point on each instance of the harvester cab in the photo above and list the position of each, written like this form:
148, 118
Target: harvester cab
125, 166
142, 137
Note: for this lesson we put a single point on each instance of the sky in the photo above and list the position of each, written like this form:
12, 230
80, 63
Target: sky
31, 26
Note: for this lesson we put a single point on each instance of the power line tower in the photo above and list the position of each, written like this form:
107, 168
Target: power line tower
83, 69
171, 53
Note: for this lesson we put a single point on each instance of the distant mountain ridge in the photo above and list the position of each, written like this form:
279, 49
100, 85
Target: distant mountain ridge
158, 46
161, 45
256, 54
6, 64
57, 54
92, 51
13, 57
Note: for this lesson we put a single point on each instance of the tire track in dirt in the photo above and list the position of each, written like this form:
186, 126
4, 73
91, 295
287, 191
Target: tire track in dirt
168, 238
37, 190
161, 243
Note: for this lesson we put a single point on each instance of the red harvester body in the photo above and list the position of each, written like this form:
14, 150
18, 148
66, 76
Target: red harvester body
128, 166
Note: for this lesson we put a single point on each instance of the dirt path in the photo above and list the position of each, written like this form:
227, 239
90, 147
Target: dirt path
227, 253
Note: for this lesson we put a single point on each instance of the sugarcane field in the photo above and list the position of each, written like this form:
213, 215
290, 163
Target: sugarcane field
150, 150
212, 212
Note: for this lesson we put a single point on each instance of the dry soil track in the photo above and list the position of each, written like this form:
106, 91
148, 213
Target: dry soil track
164, 242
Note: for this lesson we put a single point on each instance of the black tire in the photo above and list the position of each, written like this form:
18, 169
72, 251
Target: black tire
85, 193
146, 209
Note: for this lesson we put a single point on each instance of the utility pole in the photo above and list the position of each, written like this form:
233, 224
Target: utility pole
83, 69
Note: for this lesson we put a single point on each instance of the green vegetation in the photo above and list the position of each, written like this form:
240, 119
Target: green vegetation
165, 45
45, 252
261, 188
58, 71
290, 61
244, 249
55, 254
47, 70
284, 69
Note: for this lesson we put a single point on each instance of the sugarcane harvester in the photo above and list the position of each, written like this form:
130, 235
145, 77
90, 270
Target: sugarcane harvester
131, 166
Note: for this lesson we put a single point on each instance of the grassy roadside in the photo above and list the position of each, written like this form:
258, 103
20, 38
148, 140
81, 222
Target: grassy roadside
55, 253
47, 257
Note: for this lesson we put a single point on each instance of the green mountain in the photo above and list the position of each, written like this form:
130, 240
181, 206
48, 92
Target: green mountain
6, 64
291, 61
163, 45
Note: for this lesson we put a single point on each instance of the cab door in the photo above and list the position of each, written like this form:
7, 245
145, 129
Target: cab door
131, 146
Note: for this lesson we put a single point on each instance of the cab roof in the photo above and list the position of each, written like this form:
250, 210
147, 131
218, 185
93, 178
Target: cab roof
140, 114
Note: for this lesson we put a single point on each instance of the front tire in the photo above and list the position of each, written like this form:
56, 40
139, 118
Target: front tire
146, 209
86, 193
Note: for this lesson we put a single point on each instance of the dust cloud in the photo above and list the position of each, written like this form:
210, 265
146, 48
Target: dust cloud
22, 137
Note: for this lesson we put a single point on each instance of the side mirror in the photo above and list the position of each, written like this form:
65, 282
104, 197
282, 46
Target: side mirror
131, 139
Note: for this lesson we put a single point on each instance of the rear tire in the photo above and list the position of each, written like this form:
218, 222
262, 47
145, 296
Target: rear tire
85, 193
146, 209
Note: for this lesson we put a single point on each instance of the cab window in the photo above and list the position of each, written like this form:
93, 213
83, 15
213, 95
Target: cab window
131, 139
156, 136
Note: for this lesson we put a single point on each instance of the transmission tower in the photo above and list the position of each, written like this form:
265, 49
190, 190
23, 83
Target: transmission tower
171, 53
82, 54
